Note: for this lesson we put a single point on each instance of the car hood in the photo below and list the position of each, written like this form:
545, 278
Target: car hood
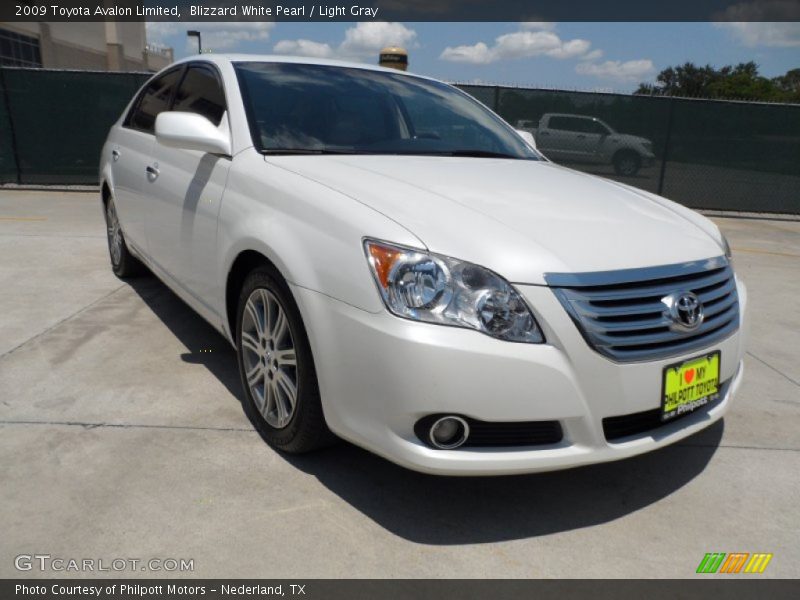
634, 139
519, 218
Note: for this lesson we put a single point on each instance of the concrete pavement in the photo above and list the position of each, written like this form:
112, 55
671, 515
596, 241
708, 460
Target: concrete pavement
122, 436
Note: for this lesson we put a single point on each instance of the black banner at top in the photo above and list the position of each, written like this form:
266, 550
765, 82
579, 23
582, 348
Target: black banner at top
400, 10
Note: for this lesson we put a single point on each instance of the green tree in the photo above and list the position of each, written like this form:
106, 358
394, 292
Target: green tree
790, 82
741, 81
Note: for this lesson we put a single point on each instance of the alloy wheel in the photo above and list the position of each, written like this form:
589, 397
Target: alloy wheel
270, 360
114, 233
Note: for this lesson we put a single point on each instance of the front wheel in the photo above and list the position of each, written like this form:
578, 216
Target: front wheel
276, 366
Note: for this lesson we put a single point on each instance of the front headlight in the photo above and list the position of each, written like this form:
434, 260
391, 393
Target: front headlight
438, 289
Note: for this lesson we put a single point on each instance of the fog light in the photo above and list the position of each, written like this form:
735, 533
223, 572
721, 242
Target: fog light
448, 433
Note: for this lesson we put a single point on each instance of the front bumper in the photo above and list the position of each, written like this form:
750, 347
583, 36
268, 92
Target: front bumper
379, 374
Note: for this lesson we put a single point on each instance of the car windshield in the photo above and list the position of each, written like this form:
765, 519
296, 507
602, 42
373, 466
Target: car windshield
605, 127
320, 109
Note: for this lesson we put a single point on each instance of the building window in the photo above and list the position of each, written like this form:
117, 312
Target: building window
18, 50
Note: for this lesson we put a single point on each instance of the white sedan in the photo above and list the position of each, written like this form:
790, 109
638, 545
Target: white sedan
397, 266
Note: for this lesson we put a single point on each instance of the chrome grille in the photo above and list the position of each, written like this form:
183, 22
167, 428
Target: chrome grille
621, 314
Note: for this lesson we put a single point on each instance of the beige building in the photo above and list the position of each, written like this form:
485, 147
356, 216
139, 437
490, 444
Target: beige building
109, 46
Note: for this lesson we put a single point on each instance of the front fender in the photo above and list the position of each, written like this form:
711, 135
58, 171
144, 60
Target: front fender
311, 233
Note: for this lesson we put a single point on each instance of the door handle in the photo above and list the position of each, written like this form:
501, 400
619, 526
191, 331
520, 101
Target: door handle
581, 137
115, 155
152, 172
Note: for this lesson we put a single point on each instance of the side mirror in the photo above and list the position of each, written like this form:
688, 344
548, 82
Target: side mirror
191, 131
528, 137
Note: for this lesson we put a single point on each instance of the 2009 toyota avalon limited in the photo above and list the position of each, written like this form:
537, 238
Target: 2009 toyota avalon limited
397, 266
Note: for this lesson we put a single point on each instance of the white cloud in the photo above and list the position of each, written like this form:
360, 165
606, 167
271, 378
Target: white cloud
632, 70
364, 40
593, 55
215, 36
477, 54
370, 37
782, 35
303, 48
520, 44
571, 49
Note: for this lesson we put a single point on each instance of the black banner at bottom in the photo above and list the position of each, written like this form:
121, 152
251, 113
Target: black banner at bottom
396, 589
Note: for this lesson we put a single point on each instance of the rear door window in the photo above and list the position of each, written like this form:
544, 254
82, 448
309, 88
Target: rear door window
562, 123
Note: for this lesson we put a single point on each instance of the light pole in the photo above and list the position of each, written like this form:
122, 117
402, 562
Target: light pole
195, 33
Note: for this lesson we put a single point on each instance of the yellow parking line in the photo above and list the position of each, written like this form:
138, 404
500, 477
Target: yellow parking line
756, 251
23, 218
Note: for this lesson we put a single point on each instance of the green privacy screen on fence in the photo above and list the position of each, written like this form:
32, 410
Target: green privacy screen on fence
8, 162
704, 154
60, 120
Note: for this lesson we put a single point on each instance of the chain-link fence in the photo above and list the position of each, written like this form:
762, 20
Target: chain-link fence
702, 153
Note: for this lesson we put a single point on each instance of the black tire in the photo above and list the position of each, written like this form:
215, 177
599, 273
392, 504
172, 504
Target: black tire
123, 263
306, 429
627, 163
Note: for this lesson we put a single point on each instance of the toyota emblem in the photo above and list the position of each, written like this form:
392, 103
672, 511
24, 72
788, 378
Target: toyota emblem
685, 311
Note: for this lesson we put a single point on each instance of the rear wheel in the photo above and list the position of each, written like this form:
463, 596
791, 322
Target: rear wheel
627, 163
276, 366
123, 263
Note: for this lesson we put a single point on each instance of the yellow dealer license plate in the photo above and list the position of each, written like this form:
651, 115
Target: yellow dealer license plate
689, 385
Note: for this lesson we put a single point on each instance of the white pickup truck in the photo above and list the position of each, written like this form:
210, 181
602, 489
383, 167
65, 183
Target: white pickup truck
585, 139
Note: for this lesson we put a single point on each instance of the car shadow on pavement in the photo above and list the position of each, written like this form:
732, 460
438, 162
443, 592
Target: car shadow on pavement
205, 345
427, 509
456, 510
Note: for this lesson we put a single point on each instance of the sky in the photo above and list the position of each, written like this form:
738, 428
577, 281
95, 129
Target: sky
583, 56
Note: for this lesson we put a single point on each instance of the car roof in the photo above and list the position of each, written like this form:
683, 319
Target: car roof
300, 60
